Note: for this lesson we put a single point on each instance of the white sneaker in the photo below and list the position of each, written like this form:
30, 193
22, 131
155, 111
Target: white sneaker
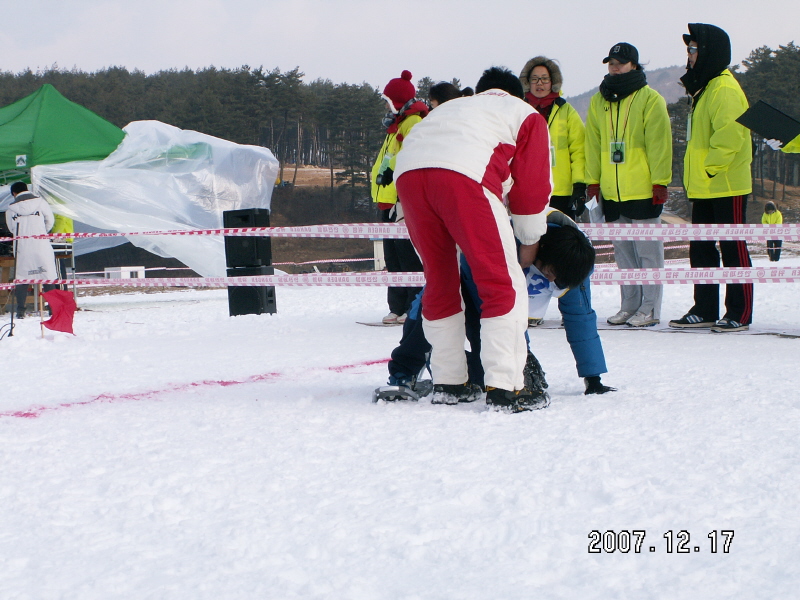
641, 319
620, 318
402, 318
390, 319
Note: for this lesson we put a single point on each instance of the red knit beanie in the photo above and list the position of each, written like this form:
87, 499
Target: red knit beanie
400, 90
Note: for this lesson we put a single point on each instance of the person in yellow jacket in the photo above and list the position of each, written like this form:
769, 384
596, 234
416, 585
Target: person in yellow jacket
629, 161
63, 224
541, 80
716, 175
772, 216
791, 147
404, 112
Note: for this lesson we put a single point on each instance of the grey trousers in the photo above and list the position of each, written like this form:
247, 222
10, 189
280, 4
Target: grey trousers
640, 255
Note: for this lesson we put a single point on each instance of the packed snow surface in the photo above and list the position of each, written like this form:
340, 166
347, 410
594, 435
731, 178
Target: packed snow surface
168, 450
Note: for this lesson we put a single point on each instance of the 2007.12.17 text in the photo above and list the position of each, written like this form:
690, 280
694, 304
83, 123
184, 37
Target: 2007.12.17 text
625, 541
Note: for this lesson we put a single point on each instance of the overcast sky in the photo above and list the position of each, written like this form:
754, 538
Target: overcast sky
354, 41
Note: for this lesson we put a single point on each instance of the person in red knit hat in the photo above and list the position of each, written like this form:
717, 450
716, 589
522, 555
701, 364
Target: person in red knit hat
405, 111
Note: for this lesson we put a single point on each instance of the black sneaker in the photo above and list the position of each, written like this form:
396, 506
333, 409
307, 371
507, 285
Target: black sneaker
724, 325
689, 320
518, 401
453, 394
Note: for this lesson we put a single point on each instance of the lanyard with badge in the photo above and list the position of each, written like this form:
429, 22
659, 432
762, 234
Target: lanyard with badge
689, 119
617, 145
550, 121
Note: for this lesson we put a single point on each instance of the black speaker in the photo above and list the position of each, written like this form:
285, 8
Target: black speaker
251, 300
241, 251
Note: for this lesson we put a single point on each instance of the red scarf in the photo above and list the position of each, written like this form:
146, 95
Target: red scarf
418, 108
542, 104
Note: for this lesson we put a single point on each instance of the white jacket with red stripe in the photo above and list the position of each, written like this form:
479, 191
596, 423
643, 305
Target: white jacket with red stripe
495, 139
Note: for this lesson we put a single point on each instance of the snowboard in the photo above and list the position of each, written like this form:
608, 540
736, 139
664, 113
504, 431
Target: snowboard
663, 327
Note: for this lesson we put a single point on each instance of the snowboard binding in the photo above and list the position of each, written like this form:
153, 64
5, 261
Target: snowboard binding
399, 393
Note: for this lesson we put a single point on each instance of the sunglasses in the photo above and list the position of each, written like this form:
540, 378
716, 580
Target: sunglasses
691, 49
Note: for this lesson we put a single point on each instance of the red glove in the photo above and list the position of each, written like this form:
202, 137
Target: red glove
660, 194
593, 191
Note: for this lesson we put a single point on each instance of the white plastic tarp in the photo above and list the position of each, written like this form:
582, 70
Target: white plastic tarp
161, 177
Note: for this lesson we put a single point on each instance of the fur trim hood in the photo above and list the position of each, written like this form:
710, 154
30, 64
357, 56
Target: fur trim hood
555, 73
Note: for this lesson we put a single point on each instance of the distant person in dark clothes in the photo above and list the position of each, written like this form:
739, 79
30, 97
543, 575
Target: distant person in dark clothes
772, 216
405, 111
30, 215
716, 175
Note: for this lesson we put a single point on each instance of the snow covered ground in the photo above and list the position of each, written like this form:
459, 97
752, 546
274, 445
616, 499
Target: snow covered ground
170, 451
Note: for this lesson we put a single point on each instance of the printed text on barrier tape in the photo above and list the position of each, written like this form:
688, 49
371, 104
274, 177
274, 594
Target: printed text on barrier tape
601, 231
619, 276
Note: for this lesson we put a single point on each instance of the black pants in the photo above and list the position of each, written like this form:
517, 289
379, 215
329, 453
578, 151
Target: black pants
738, 296
409, 357
774, 250
400, 256
21, 293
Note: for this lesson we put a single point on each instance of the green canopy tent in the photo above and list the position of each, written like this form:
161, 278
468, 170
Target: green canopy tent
45, 128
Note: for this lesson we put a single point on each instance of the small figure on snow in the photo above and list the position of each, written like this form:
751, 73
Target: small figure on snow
772, 216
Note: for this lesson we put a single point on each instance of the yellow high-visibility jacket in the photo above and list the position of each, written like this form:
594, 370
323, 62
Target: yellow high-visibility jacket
793, 146
387, 194
567, 136
775, 218
641, 122
718, 149
63, 225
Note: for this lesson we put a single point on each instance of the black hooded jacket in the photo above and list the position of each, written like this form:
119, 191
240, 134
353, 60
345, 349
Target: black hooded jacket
713, 56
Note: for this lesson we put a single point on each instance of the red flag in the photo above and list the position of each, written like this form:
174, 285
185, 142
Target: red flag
62, 305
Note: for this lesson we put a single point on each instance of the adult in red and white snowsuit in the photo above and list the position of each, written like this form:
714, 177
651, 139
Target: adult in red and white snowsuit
456, 167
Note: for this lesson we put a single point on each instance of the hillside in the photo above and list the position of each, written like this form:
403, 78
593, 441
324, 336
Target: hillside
665, 81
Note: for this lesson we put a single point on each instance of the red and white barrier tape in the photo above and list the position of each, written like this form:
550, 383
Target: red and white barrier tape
353, 230
382, 278
324, 260
379, 278
700, 232
600, 231
698, 276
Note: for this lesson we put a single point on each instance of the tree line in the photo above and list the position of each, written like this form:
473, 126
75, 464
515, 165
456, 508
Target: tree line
336, 126
319, 123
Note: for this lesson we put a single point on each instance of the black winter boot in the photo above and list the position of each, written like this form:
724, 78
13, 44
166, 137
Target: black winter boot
594, 386
518, 401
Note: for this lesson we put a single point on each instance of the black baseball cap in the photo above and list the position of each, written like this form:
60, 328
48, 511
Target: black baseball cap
623, 52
